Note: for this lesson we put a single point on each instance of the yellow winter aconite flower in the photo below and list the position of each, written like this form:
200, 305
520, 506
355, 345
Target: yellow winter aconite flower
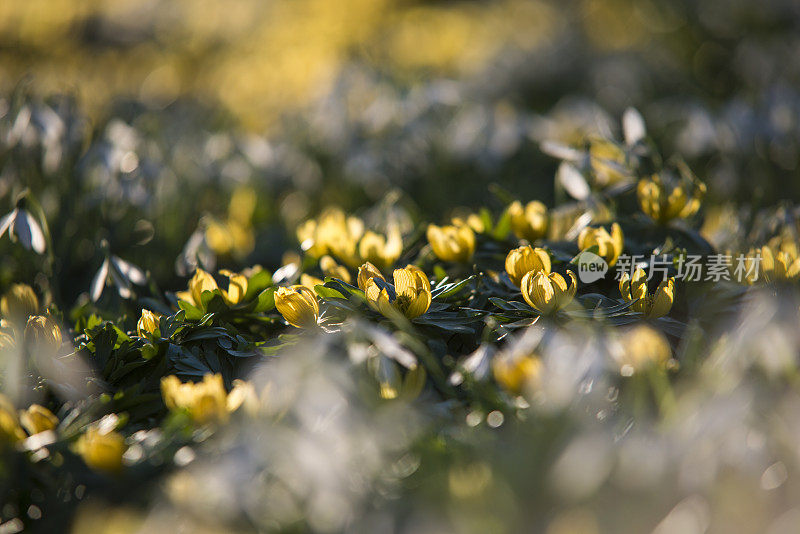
102, 449
330, 268
609, 246
522, 260
148, 322
652, 305
10, 430
19, 303
381, 250
548, 293
42, 333
530, 221
452, 243
394, 384
473, 220
514, 374
37, 419
664, 199
365, 273
298, 305
237, 287
332, 233
641, 347
410, 295
203, 281
205, 401
779, 263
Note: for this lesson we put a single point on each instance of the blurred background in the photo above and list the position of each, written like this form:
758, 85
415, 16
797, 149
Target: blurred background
172, 133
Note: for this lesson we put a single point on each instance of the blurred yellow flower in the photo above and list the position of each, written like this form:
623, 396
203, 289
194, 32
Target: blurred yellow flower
42, 333
779, 262
548, 293
609, 246
19, 303
608, 161
148, 323
473, 220
203, 281
310, 281
332, 233
452, 243
642, 347
10, 430
37, 419
515, 374
298, 305
663, 199
522, 260
383, 251
410, 295
332, 269
205, 401
529, 222
102, 449
652, 305
394, 384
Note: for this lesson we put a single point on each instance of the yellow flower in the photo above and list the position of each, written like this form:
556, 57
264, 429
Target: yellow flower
205, 401
653, 305
548, 293
42, 333
528, 222
10, 430
641, 347
365, 273
380, 250
148, 323
330, 268
309, 281
410, 295
663, 200
37, 419
779, 264
394, 384
609, 246
298, 305
514, 374
608, 161
102, 449
237, 287
19, 303
333, 233
473, 220
520, 261
452, 243
200, 282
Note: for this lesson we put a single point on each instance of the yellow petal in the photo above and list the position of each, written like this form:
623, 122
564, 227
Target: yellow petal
662, 299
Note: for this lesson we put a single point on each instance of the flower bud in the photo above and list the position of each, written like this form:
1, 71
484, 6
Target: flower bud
19, 303
298, 305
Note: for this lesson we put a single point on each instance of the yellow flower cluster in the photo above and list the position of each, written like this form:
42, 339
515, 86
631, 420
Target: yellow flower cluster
345, 237
206, 401
652, 305
665, 199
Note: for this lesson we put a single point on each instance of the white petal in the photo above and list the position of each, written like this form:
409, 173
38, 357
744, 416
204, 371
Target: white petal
131, 272
633, 126
6, 221
99, 282
573, 181
561, 151
37, 236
